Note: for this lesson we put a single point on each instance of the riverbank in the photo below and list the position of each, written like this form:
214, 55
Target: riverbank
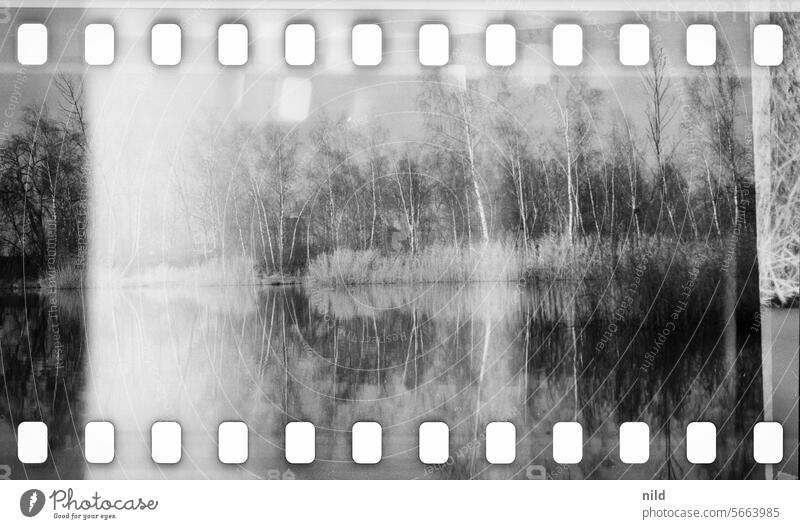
549, 258
668, 264
234, 271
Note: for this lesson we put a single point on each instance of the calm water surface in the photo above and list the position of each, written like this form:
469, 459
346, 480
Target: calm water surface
466, 355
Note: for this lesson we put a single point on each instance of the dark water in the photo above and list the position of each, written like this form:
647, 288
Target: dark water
466, 355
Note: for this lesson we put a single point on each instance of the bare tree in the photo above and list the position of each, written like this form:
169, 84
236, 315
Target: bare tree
412, 198
276, 160
452, 110
377, 163
512, 119
42, 186
574, 105
660, 112
717, 101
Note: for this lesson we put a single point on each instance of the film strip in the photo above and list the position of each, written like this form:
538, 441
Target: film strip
367, 44
433, 443
410, 242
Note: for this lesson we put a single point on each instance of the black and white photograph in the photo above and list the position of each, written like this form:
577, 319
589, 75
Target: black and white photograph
479, 245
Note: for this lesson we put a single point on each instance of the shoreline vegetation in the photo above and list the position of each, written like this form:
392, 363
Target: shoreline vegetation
550, 258
491, 179
668, 267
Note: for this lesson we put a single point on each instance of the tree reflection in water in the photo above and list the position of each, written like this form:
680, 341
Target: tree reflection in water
463, 354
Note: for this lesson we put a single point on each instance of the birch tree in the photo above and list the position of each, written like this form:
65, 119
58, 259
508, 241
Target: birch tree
452, 111
660, 113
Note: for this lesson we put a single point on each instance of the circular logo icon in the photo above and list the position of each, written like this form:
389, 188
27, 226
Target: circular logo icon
31, 502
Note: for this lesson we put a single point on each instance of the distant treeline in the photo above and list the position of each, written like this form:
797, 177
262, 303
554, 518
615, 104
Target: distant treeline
497, 159
501, 160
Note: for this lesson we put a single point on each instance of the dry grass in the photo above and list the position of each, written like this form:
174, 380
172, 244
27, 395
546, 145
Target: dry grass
779, 185
66, 277
436, 264
553, 257
549, 258
780, 252
647, 277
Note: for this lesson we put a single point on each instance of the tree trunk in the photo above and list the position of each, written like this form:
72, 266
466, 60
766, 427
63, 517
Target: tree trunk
473, 172
571, 217
374, 207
